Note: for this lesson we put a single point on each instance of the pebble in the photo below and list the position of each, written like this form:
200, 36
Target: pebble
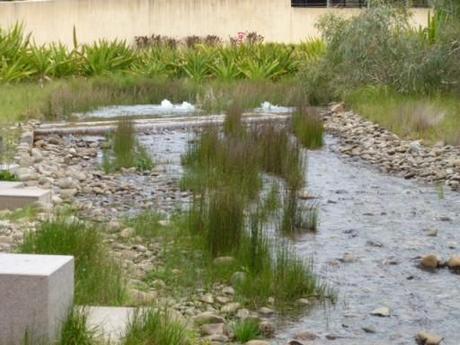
454, 262
430, 262
425, 338
382, 312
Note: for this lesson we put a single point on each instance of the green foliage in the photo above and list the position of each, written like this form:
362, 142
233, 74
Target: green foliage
6, 175
279, 155
146, 224
98, 277
159, 57
75, 329
155, 327
433, 118
125, 151
246, 330
379, 47
106, 56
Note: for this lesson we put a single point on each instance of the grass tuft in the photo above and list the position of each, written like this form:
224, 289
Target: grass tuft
125, 151
155, 327
246, 330
98, 277
75, 330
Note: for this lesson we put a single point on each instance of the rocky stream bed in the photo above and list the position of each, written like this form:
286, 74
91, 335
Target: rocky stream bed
385, 204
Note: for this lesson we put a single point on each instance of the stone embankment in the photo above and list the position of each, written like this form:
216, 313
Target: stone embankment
438, 164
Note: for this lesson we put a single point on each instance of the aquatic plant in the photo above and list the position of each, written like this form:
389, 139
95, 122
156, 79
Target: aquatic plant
307, 125
296, 217
124, 151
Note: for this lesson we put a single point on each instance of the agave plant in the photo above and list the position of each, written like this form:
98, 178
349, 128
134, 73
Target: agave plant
195, 64
225, 66
107, 56
156, 62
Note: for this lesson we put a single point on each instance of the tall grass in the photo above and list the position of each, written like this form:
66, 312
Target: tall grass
246, 330
75, 330
98, 277
60, 99
124, 149
279, 154
297, 218
155, 327
433, 118
225, 218
308, 127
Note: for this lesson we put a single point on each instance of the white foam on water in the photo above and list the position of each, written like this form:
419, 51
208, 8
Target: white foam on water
165, 108
267, 107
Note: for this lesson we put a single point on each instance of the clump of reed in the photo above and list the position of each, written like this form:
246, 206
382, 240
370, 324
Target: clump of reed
279, 154
76, 331
308, 127
155, 326
98, 277
124, 150
214, 161
297, 218
274, 270
246, 330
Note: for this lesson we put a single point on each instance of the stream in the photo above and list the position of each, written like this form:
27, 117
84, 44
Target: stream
373, 227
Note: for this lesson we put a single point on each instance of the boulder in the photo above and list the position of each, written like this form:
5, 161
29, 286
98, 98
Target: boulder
207, 317
212, 328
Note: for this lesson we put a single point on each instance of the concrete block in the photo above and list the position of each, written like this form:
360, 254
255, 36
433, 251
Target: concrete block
36, 293
10, 184
110, 321
13, 198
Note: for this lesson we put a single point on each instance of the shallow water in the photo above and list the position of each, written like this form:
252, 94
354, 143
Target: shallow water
165, 109
381, 222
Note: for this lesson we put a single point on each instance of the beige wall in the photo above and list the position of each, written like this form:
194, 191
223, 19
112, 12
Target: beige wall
53, 20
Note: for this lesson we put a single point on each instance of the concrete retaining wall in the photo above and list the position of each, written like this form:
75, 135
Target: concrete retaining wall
276, 20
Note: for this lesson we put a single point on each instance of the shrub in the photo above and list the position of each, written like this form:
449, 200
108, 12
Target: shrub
379, 47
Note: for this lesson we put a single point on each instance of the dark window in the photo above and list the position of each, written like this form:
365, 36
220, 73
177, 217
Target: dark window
309, 3
348, 3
